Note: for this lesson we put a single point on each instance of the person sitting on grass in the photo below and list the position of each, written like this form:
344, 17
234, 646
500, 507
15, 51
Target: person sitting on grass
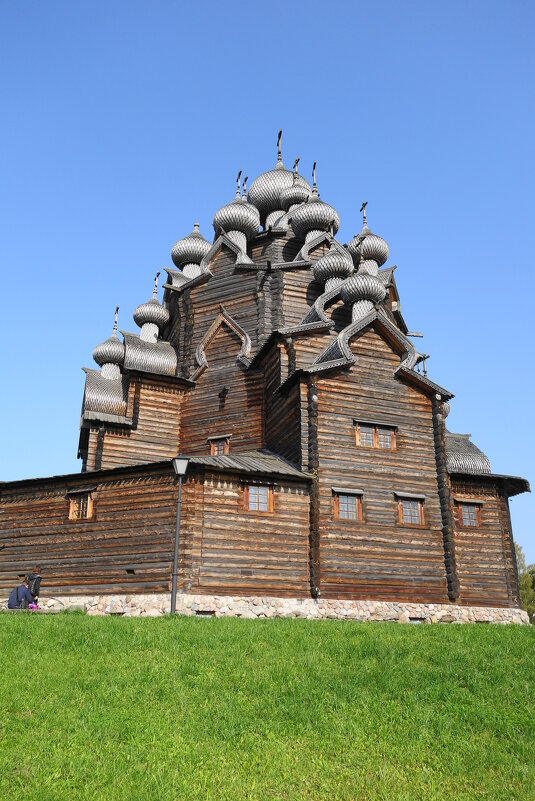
20, 597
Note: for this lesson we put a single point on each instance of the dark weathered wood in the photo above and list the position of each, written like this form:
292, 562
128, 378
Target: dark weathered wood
279, 403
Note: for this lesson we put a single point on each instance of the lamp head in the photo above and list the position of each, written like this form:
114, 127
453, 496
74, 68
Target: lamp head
180, 465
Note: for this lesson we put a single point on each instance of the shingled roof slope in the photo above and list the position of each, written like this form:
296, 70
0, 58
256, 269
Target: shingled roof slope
465, 457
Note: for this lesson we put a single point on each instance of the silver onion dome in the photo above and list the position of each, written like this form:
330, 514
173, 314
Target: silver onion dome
191, 249
266, 191
363, 287
333, 268
239, 215
152, 311
367, 246
111, 351
315, 216
295, 194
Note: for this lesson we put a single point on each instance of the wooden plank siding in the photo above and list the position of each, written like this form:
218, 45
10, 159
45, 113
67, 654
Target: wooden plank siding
224, 547
131, 529
282, 415
485, 554
248, 553
155, 408
237, 413
378, 557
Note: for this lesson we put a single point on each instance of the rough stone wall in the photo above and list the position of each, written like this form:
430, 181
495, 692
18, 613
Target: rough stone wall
267, 607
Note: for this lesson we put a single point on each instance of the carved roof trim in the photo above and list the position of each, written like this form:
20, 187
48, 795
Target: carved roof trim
223, 318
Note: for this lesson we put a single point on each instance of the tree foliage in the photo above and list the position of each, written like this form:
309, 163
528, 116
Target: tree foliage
526, 578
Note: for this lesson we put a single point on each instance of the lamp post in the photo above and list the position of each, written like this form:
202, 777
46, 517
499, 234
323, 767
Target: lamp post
180, 465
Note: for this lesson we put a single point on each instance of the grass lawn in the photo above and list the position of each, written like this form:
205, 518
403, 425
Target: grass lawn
187, 708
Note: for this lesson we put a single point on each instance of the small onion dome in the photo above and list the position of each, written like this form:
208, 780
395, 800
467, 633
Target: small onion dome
368, 246
445, 408
295, 194
266, 191
237, 216
363, 287
191, 249
112, 350
314, 216
334, 264
152, 311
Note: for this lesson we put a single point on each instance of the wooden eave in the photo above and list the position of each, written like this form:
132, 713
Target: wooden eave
187, 383
512, 485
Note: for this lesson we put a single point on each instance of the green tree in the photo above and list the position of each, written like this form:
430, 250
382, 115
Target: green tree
526, 579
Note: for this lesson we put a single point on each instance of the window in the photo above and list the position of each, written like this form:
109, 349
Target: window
259, 498
219, 446
347, 504
80, 506
469, 514
411, 511
375, 435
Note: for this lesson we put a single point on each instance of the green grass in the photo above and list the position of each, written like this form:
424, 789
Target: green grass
166, 709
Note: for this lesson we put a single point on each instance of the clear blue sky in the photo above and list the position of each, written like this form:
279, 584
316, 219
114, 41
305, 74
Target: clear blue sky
124, 122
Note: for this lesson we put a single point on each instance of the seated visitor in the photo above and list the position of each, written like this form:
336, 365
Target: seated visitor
20, 597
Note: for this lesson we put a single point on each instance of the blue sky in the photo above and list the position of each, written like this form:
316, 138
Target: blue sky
123, 123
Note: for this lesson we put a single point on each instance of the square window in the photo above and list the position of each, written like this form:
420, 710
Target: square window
219, 446
411, 512
347, 507
469, 514
259, 498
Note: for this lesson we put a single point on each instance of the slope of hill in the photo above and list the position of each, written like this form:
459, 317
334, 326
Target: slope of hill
167, 709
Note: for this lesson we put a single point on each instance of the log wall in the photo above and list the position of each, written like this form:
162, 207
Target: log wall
378, 557
485, 559
239, 552
155, 408
127, 543
131, 530
237, 412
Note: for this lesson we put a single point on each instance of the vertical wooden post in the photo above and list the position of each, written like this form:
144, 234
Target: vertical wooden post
313, 467
446, 501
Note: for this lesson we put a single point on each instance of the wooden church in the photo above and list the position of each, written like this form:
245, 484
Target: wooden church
320, 465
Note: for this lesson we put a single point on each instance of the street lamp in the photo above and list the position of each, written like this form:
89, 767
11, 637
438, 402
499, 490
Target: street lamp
180, 465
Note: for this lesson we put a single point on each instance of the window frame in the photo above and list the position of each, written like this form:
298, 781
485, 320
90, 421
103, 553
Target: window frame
375, 434
225, 439
246, 498
459, 513
421, 503
74, 499
348, 493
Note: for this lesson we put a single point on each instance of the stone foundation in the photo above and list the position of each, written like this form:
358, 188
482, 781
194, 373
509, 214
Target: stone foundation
264, 607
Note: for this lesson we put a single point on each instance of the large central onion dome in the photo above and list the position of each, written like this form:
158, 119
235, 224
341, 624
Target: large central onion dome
239, 220
334, 267
188, 252
314, 217
151, 316
266, 191
110, 354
